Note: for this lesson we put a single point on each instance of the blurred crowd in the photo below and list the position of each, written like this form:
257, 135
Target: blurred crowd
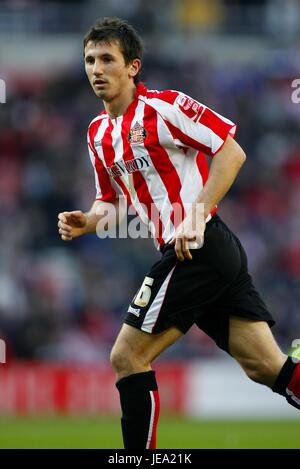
275, 18
66, 301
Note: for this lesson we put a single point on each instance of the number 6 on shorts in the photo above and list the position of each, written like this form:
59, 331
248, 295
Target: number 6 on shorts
143, 295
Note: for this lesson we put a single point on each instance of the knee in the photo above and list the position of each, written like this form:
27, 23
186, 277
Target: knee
124, 361
119, 359
261, 371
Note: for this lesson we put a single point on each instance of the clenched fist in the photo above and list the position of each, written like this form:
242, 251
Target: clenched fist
71, 224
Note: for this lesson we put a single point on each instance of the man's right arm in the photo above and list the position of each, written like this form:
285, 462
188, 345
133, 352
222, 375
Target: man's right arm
77, 223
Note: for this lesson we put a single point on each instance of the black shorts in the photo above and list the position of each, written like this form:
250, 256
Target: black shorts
205, 291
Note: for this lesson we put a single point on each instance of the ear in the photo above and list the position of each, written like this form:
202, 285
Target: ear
134, 68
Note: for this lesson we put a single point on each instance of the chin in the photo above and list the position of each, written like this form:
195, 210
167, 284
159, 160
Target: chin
103, 94
100, 94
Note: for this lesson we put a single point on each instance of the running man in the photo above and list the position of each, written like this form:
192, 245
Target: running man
150, 146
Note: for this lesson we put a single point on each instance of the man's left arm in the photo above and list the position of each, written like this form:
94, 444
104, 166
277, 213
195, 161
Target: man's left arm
223, 170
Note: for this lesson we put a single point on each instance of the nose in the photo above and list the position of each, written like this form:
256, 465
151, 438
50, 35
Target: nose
97, 68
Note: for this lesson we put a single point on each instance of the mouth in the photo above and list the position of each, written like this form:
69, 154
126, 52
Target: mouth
99, 82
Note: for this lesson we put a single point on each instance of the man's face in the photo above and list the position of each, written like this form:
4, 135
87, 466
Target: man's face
106, 69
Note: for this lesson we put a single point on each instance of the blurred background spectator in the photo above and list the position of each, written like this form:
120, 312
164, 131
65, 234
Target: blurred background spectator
66, 301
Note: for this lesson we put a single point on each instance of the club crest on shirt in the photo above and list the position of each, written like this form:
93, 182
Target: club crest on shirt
137, 134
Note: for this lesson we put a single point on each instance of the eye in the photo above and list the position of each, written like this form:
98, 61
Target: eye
89, 60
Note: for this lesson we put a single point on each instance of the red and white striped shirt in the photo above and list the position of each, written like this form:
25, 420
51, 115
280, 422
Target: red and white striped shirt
154, 154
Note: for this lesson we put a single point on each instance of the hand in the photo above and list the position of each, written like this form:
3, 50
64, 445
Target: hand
189, 235
71, 224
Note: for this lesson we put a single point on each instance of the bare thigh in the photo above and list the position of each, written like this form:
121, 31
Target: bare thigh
253, 345
134, 350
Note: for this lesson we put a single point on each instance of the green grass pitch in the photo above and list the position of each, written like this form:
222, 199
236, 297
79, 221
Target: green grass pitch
173, 432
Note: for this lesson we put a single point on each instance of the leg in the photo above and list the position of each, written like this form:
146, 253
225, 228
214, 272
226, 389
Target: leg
135, 350
131, 358
252, 344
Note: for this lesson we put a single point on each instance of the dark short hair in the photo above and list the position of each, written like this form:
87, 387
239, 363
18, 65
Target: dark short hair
112, 29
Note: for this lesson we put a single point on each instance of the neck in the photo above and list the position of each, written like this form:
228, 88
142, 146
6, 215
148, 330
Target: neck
118, 106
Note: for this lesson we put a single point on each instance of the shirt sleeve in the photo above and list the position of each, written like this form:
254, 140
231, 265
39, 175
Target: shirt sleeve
104, 188
195, 125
